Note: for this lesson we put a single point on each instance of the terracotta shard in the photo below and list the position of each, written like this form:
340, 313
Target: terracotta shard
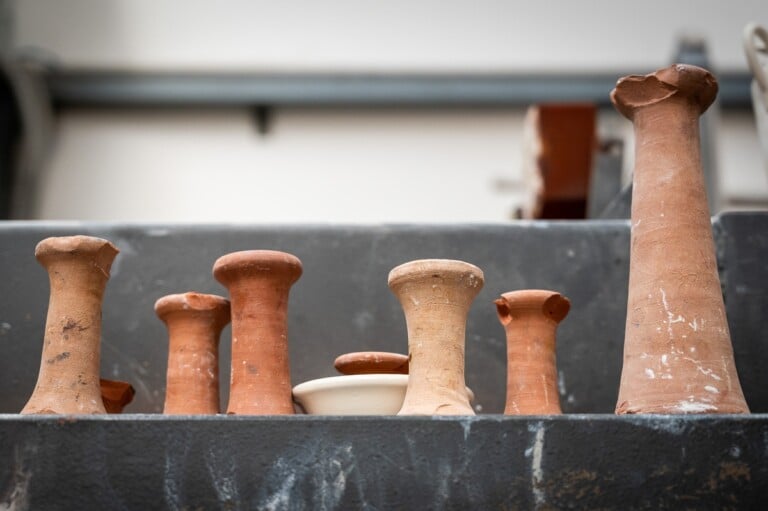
678, 356
116, 395
194, 322
436, 295
371, 362
78, 270
530, 320
259, 282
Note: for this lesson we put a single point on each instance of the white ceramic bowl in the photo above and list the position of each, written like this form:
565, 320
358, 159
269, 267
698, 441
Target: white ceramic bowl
357, 394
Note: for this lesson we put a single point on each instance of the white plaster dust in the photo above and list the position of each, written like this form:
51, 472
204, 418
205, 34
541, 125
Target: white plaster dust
16, 494
328, 475
561, 383
694, 407
537, 471
223, 471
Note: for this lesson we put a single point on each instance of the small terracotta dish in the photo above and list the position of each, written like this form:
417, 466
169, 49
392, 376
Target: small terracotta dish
372, 362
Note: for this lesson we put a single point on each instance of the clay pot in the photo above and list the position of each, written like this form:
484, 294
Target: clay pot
116, 395
436, 295
259, 282
530, 319
371, 362
78, 270
678, 356
194, 323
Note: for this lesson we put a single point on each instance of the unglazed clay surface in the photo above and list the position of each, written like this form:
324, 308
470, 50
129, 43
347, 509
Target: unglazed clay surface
259, 282
116, 395
371, 362
194, 322
436, 295
530, 320
678, 356
78, 270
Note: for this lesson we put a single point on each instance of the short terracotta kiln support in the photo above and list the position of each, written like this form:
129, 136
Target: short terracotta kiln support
259, 282
194, 322
530, 320
678, 356
78, 270
436, 295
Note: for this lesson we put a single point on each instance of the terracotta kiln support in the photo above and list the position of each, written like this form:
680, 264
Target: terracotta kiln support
678, 356
78, 270
530, 320
259, 282
436, 295
194, 322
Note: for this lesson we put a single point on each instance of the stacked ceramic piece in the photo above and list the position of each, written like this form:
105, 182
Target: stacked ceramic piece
373, 383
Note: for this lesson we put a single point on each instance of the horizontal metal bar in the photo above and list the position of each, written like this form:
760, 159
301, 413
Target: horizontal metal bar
78, 88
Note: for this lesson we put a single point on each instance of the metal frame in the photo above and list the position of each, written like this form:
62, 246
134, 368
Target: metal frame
71, 88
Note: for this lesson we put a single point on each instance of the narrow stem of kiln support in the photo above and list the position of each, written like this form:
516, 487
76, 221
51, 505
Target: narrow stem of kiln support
678, 356
78, 270
194, 323
259, 282
436, 295
530, 320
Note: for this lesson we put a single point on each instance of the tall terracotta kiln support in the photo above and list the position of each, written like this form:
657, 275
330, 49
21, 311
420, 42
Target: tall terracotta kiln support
259, 282
78, 270
436, 295
194, 322
530, 318
678, 356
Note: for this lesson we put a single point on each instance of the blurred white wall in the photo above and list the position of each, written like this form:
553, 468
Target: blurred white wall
428, 35
346, 165
313, 165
